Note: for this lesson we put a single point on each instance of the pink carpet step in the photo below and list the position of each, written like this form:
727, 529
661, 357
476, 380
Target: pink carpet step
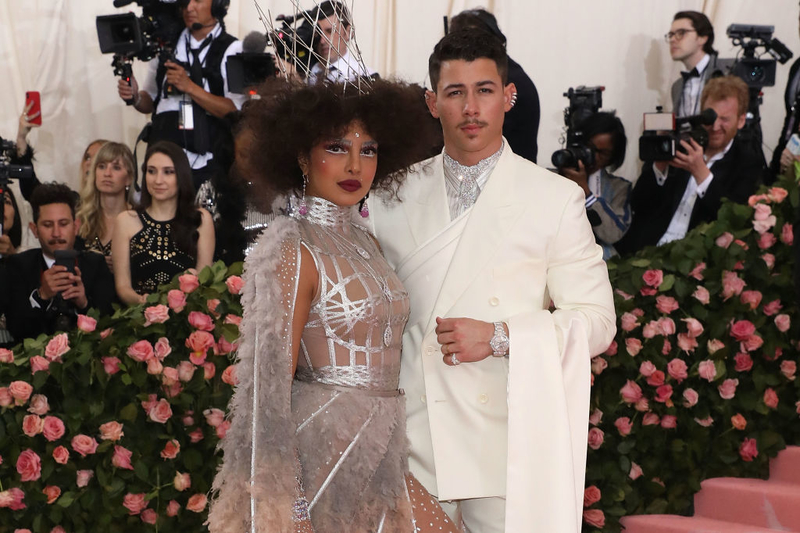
786, 466
768, 504
683, 524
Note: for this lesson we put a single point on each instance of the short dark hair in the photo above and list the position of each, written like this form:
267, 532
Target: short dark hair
331, 7
607, 122
467, 44
52, 193
477, 18
702, 26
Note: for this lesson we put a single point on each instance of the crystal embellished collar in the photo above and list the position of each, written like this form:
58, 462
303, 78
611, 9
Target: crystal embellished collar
325, 213
474, 171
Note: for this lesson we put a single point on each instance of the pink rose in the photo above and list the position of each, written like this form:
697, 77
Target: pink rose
171, 449
235, 284
196, 503
631, 392
176, 300
697, 271
656, 379
596, 437
732, 284
651, 329
666, 325
788, 369
724, 240
755, 198
653, 278
149, 516
122, 458
686, 342
774, 356
748, 449
52, 492
742, 330
769, 259
690, 397
633, 346
743, 362
766, 240
61, 455
141, 351
56, 347
39, 364
134, 503
623, 425
763, 219
778, 194
751, 298
598, 365
106, 332
182, 481
58, 529
156, 314
753, 343
6, 356
715, 345
596, 417
53, 428
5, 397
636, 471
172, 508
663, 393
702, 295
233, 319
773, 307
229, 375
591, 495
161, 412
212, 304
12, 499
787, 234
201, 321
39, 404
666, 348
611, 351
666, 304
111, 431
214, 417
647, 368
783, 323
647, 291
222, 429
154, 367
86, 324
771, 398
669, 422
196, 436
650, 419
728, 389
199, 342
225, 347
693, 327
188, 419
170, 375
110, 365
677, 370
32, 425
29, 466
20, 391
188, 283
83, 477
705, 422
738, 421
84, 445
594, 517
185, 370
642, 405
209, 369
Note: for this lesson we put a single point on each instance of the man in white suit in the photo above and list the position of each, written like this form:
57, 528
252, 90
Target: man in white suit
497, 383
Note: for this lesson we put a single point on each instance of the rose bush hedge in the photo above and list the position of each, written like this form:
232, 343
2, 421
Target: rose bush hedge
701, 378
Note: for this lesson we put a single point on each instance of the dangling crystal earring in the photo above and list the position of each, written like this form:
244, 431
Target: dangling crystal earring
364, 208
303, 207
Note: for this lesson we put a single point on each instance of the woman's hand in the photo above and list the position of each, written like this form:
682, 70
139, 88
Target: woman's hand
25, 126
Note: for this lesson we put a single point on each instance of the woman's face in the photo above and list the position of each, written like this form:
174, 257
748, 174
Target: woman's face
8, 214
160, 177
341, 170
88, 155
111, 177
603, 149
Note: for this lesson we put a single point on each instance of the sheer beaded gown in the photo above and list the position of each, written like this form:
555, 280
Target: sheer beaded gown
347, 435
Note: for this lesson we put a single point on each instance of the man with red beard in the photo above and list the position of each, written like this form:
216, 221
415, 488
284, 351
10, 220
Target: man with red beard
670, 199
39, 296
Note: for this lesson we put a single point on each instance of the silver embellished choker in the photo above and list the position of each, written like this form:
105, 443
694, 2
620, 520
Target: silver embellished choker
474, 171
325, 213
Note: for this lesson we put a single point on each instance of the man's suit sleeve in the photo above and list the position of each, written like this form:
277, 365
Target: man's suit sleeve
735, 178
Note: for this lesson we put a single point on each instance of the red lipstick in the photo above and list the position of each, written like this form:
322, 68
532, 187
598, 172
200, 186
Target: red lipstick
349, 185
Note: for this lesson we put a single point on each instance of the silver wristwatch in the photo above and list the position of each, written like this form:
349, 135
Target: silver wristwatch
499, 342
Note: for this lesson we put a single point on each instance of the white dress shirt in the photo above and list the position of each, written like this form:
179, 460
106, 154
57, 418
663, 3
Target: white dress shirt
693, 89
346, 68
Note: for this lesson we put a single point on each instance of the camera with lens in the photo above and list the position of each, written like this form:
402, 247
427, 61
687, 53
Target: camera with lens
294, 41
129, 37
663, 133
755, 71
9, 171
583, 102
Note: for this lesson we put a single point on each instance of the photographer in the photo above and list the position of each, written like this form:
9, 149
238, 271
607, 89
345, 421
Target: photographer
607, 195
691, 41
670, 199
783, 158
191, 90
336, 63
39, 296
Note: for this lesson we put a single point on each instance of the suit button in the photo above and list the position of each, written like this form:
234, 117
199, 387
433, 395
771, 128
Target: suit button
483, 398
430, 350
423, 399
494, 301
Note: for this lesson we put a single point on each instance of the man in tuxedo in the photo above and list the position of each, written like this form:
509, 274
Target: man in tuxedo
691, 41
496, 379
331, 44
39, 296
670, 199
782, 158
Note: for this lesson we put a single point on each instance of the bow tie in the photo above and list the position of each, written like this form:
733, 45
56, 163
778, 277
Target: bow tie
691, 74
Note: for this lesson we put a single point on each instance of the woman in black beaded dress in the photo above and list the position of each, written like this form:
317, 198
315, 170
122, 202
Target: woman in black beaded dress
166, 234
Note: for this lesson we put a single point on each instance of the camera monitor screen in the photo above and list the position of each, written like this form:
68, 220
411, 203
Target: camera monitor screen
119, 34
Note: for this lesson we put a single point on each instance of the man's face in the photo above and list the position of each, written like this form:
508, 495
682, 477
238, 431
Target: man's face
198, 12
471, 102
728, 122
333, 40
56, 229
687, 46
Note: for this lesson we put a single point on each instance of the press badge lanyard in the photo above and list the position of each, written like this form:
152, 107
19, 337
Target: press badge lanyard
186, 115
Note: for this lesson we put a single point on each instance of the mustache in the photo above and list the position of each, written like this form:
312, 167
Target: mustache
56, 241
473, 122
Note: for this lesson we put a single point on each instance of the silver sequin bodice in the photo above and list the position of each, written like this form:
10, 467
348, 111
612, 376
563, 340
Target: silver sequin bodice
354, 330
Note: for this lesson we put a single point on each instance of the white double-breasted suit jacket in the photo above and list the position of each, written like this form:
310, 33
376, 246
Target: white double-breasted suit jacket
512, 427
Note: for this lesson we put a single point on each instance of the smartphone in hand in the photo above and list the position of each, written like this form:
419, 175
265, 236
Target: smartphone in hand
34, 98
66, 258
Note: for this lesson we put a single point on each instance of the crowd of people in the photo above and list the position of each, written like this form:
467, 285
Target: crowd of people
436, 272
